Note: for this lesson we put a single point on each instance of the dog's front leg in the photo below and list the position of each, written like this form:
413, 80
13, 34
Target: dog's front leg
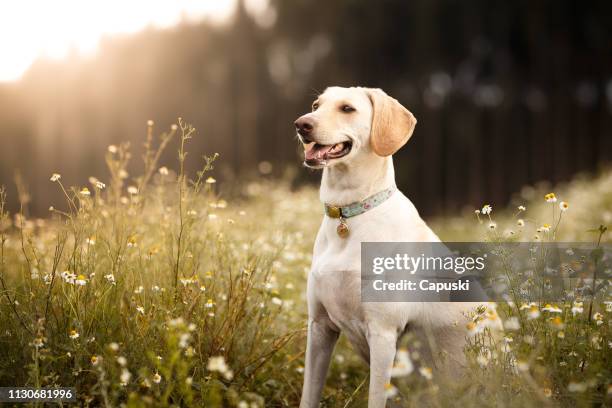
382, 354
319, 347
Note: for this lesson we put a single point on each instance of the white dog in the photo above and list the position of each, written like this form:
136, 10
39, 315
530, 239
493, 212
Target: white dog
351, 134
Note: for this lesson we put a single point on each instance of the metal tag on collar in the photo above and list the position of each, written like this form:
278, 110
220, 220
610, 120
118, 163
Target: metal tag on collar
342, 229
333, 211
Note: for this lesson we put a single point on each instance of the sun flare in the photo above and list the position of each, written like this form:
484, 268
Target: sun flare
30, 29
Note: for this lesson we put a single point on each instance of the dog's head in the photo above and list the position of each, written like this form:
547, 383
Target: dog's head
346, 123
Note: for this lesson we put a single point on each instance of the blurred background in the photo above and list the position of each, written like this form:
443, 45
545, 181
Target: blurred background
506, 93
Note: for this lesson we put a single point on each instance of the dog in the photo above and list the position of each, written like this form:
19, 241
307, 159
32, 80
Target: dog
352, 134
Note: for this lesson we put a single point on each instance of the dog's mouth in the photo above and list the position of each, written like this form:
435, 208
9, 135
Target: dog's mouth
316, 154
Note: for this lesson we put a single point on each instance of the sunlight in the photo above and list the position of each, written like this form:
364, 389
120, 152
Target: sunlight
30, 29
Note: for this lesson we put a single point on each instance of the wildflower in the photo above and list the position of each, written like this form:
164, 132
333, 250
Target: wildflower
122, 361
132, 190
390, 390
150, 123
202, 288
94, 360
522, 366
123, 174
512, 323
157, 378
520, 223
209, 303
547, 392
55, 177
492, 225
81, 280
426, 372
403, 364
545, 228
100, 185
38, 342
145, 383
174, 127
131, 242
90, 241
212, 216
522, 208
552, 308
73, 334
277, 301
577, 308
139, 290
112, 149
561, 334
68, 277
189, 380
51, 208
527, 305
125, 376
563, 206
163, 171
140, 309
155, 288
557, 323
550, 198
598, 318
85, 192
184, 340
482, 360
477, 212
210, 180
110, 278
533, 312
113, 346
608, 304
576, 387
487, 209
217, 363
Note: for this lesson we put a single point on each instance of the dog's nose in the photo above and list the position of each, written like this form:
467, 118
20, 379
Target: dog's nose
304, 126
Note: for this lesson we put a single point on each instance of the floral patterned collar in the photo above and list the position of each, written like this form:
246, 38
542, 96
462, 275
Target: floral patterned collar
351, 210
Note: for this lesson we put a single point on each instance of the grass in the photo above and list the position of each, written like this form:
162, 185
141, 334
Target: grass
155, 291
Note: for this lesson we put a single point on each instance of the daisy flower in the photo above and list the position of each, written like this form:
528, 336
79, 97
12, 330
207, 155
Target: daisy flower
73, 334
563, 206
403, 364
55, 177
390, 390
426, 372
487, 209
552, 308
550, 198
157, 378
81, 280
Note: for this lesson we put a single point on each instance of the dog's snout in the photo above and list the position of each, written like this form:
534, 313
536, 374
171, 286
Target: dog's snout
304, 126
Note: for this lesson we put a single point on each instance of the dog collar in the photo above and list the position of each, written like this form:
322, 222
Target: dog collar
354, 209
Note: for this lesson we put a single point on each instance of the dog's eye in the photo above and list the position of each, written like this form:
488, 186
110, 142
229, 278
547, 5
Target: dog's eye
315, 106
347, 109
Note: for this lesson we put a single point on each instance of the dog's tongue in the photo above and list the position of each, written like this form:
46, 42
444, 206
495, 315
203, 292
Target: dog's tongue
315, 151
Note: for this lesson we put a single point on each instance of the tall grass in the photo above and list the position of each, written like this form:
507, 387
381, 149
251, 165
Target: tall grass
153, 290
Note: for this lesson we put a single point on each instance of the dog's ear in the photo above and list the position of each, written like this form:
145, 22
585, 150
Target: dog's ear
392, 124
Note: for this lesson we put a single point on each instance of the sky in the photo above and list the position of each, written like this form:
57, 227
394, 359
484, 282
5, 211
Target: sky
30, 29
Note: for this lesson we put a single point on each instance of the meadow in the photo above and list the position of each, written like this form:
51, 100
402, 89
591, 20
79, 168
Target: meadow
155, 290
